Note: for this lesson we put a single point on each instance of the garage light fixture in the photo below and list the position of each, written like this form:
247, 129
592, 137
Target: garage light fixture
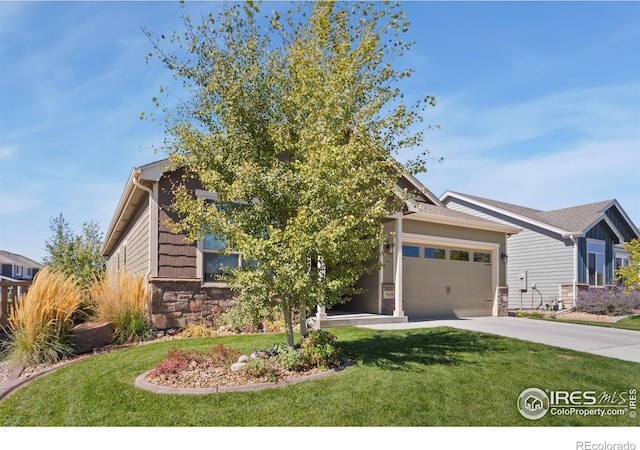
504, 257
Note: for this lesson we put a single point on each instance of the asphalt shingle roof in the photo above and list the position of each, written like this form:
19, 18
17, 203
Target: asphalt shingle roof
572, 219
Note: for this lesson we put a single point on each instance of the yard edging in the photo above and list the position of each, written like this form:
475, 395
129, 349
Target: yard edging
142, 383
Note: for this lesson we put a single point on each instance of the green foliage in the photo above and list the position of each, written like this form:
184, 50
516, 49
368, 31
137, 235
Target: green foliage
630, 275
75, 254
247, 316
293, 125
261, 368
320, 350
289, 358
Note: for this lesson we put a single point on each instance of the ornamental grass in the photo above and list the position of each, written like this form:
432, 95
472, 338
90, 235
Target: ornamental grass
122, 300
40, 323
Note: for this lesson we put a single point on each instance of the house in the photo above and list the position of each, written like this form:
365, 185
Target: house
559, 252
14, 267
439, 261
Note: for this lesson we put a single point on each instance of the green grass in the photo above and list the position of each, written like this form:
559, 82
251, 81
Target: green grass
424, 377
628, 323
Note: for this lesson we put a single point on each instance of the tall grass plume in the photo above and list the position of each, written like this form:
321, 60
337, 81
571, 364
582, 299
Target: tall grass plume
121, 299
40, 323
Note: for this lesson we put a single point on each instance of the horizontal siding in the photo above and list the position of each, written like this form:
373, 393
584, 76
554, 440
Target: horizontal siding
548, 263
132, 251
547, 258
138, 245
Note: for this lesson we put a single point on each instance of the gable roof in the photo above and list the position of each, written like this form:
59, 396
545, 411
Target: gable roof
18, 260
575, 220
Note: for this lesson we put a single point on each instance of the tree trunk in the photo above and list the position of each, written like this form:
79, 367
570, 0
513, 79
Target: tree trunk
288, 325
303, 319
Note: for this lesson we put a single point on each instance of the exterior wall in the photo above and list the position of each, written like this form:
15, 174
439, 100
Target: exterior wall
366, 302
176, 258
177, 302
546, 258
132, 251
453, 232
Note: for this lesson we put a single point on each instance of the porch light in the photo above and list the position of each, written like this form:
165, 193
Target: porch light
504, 257
388, 248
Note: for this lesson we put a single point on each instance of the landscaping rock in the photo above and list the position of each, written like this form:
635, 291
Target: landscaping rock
238, 366
88, 336
243, 359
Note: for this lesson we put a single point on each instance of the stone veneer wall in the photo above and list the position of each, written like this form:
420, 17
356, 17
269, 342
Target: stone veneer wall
177, 302
503, 301
566, 293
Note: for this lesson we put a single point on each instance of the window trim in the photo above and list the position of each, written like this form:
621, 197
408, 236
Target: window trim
604, 262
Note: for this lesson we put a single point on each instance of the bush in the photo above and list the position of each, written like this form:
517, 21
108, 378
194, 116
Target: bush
261, 368
121, 299
320, 350
610, 300
223, 356
289, 358
40, 323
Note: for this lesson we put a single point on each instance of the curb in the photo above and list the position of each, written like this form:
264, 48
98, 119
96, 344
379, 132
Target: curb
142, 383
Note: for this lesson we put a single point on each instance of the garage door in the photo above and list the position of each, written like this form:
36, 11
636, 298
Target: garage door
446, 281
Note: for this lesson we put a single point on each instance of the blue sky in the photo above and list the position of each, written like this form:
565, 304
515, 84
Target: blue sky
539, 104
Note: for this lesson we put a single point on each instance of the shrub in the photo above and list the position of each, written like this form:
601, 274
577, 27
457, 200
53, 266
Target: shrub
261, 368
223, 356
121, 299
320, 350
289, 358
169, 367
197, 330
610, 300
40, 323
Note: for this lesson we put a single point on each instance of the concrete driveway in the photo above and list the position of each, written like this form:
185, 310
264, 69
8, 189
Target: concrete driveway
610, 342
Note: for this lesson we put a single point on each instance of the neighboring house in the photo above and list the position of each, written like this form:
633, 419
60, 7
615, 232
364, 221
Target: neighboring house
559, 252
14, 267
439, 262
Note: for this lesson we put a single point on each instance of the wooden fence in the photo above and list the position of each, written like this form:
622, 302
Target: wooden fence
10, 291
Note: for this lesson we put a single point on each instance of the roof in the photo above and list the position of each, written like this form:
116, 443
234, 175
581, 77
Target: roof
18, 260
575, 220
444, 215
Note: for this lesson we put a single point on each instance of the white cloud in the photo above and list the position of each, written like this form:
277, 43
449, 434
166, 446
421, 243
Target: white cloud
564, 149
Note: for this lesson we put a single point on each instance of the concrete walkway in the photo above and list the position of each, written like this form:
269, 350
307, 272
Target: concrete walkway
610, 342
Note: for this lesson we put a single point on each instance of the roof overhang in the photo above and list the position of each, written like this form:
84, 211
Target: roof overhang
135, 192
461, 222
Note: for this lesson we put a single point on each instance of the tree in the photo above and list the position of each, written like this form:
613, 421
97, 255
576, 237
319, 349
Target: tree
630, 275
292, 120
75, 254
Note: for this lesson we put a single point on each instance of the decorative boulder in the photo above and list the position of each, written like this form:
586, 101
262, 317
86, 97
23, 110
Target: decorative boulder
238, 366
88, 336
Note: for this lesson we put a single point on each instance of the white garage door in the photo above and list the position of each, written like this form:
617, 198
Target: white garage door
443, 281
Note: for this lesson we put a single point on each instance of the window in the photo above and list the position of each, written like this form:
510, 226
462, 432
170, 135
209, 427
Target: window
482, 257
459, 255
595, 262
434, 253
17, 271
215, 261
410, 251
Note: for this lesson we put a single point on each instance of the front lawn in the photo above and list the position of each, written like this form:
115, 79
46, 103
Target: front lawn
423, 377
628, 323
